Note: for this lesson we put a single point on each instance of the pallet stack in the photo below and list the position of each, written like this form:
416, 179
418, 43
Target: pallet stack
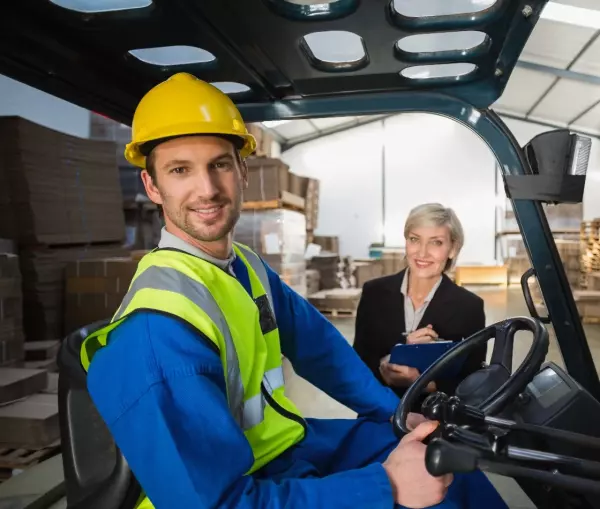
60, 201
95, 289
63, 203
330, 269
590, 250
29, 423
337, 303
279, 236
12, 339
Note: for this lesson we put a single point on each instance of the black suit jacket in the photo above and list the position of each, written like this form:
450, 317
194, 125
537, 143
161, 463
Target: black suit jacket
454, 312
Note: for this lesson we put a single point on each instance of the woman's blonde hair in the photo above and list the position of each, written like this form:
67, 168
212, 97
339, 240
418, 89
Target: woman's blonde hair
435, 214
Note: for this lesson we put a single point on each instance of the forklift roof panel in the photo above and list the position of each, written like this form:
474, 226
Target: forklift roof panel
105, 55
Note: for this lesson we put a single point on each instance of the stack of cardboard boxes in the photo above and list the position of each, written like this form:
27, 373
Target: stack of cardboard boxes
63, 202
12, 339
95, 289
60, 201
279, 236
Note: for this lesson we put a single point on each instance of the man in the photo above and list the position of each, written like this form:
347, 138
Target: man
188, 375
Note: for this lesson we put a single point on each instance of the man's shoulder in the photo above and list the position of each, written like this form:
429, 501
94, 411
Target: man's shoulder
148, 332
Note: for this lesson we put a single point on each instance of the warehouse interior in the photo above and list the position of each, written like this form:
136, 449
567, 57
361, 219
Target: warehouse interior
326, 207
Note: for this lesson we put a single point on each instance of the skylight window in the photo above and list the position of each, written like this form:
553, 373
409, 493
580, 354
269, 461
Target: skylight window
231, 88
423, 8
423, 72
94, 6
334, 50
173, 55
443, 41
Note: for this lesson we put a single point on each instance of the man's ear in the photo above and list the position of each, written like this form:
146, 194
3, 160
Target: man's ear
151, 188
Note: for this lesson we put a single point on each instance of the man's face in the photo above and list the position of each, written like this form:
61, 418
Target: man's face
199, 183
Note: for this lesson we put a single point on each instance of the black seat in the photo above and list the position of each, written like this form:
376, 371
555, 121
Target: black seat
97, 475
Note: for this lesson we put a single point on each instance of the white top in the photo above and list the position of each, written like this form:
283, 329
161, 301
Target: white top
412, 316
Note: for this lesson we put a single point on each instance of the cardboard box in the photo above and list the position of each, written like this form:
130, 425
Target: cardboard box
312, 204
11, 311
57, 189
95, 289
279, 237
330, 271
264, 140
366, 270
32, 422
331, 244
44, 286
338, 299
16, 383
313, 281
267, 179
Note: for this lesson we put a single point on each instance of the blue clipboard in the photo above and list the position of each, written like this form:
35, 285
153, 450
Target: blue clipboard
421, 356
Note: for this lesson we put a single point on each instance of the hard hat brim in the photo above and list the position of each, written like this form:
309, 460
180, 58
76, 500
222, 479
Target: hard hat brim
136, 152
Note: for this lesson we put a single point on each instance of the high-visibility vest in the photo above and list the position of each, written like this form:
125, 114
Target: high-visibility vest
242, 327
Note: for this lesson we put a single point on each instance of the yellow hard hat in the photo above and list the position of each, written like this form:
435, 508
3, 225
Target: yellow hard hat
184, 105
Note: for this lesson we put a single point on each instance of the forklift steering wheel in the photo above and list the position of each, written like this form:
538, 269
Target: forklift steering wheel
490, 389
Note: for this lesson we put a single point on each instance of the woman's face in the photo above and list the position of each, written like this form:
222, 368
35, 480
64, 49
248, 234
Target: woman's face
427, 250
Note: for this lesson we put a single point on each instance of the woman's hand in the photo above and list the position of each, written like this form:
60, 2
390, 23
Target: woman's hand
424, 335
395, 375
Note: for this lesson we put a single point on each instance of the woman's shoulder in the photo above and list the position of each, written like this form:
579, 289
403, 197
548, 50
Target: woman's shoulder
389, 281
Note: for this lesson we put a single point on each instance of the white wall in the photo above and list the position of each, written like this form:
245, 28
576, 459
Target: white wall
44, 109
348, 165
427, 158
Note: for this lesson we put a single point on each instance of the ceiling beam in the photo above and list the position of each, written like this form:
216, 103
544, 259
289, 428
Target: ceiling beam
559, 73
332, 130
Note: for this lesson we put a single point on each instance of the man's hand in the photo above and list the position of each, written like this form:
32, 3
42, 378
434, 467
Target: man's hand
412, 485
395, 375
424, 335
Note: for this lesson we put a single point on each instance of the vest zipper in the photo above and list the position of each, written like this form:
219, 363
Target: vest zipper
279, 409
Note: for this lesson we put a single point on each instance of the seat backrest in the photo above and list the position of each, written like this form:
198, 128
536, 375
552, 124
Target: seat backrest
97, 475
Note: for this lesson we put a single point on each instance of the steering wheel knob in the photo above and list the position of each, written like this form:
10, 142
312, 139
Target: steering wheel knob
435, 406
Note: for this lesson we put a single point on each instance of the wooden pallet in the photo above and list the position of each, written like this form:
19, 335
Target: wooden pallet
287, 201
12, 458
338, 313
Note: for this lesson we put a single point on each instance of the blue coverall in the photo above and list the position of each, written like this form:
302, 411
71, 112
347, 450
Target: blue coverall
160, 388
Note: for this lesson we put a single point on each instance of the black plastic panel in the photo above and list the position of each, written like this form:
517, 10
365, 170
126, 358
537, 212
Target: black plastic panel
84, 58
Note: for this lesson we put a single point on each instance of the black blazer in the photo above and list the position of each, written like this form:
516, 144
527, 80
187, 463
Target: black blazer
454, 312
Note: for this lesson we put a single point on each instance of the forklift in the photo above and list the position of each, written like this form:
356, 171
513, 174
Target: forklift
536, 423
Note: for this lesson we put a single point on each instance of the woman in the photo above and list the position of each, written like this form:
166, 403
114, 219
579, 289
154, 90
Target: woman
420, 303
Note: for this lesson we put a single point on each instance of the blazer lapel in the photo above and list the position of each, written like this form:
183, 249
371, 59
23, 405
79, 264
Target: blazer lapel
394, 308
438, 308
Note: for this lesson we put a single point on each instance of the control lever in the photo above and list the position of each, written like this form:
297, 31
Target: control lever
443, 457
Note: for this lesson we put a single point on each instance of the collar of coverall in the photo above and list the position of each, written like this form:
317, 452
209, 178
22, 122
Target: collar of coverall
168, 240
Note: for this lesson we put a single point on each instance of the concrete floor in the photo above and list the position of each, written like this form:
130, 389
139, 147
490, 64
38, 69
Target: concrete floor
26, 489
500, 303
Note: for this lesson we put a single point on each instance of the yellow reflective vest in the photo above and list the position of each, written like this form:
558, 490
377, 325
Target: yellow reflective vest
242, 327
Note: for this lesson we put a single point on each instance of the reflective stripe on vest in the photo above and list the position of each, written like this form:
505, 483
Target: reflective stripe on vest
247, 414
254, 408
258, 267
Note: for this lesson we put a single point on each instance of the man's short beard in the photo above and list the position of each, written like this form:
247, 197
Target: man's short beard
213, 237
